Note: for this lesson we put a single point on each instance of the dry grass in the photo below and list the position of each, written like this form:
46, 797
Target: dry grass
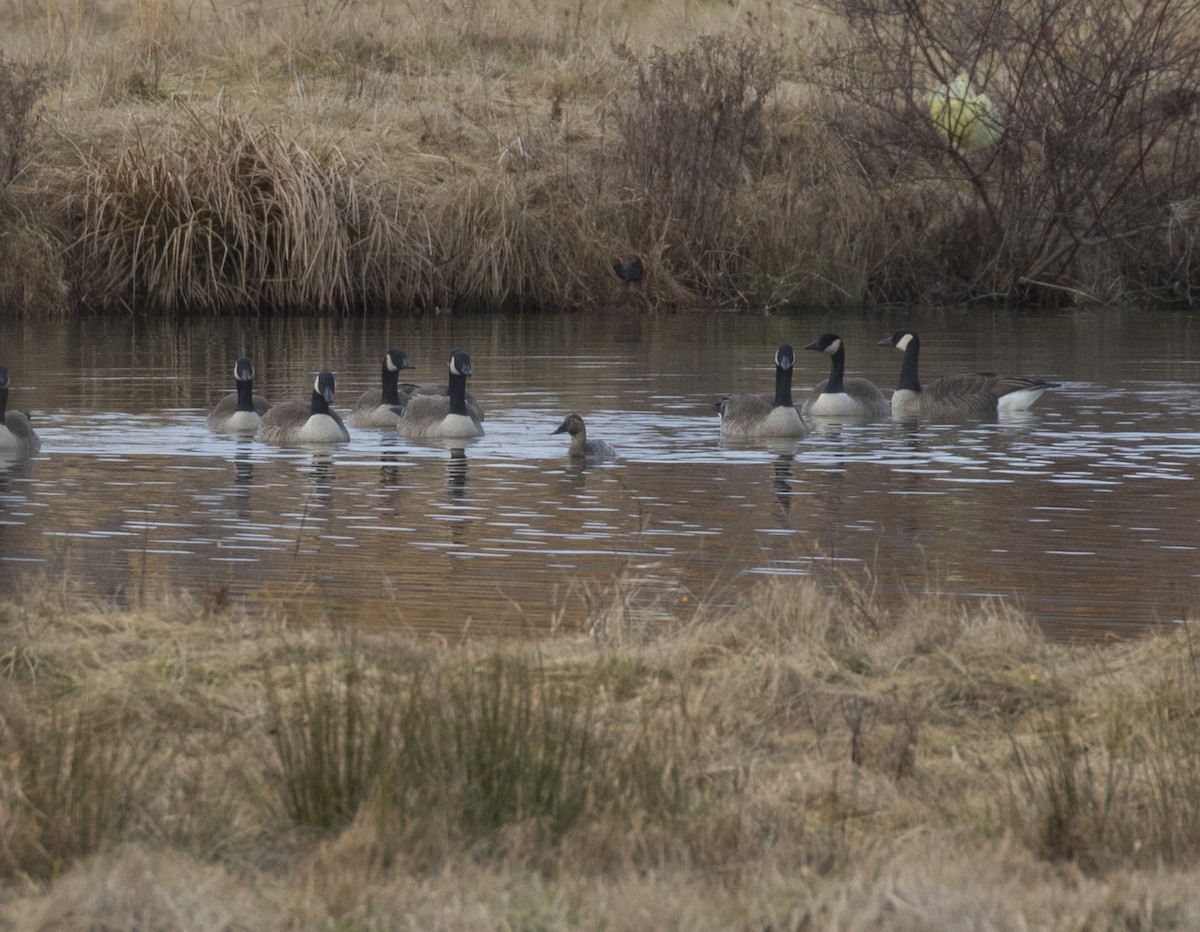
807, 760
337, 158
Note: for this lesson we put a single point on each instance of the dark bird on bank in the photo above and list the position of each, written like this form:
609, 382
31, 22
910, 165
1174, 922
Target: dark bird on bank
631, 270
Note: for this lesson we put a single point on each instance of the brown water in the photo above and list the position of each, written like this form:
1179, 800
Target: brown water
1087, 512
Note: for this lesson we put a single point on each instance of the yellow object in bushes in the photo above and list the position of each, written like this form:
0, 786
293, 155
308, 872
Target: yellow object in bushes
969, 120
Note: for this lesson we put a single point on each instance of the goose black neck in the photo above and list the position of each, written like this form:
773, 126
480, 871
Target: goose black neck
908, 368
3, 403
458, 393
245, 395
391, 383
837, 372
319, 404
783, 387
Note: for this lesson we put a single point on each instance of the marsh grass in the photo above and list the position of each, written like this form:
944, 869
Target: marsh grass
1125, 792
483, 744
342, 158
230, 215
81, 780
804, 757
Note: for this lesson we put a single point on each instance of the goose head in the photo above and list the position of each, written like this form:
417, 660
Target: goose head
394, 360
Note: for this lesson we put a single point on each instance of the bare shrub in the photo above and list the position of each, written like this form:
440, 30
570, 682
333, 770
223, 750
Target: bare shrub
691, 126
1093, 143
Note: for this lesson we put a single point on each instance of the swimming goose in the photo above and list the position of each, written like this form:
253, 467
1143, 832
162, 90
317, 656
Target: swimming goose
408, 391
296, 422
593, 451
839, 396
374, 406
975, 394
754, 415
242, 410
442, 416
16, 434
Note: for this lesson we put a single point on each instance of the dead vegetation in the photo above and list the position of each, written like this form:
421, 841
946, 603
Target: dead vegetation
803, 760
338, 158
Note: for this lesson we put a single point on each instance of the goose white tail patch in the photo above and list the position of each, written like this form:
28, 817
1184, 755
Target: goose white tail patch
1020, 400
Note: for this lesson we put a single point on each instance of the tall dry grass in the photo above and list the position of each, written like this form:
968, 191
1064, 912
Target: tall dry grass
484, 155
803, 759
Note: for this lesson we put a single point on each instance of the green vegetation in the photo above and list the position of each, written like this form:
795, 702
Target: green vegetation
344, 158
805, 759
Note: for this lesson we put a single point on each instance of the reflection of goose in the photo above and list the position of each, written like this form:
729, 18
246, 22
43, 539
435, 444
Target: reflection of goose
316, 422
17, 436
442, 416
242, 410
755, 415
593, 451
374, 406
781, 478
456, 472
976, 394
839, 396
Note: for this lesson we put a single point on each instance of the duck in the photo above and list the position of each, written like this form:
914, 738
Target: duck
839, 396
315, 422
592, 451
374, 407
975, 394
765, 415
240, 411
17, 436
445, 416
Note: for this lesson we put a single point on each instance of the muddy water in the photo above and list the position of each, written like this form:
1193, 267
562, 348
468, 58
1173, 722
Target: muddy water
1087, 512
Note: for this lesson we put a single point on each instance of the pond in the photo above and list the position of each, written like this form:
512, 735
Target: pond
1086, 512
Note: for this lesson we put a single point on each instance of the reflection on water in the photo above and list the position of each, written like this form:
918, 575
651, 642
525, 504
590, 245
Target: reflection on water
1086, 509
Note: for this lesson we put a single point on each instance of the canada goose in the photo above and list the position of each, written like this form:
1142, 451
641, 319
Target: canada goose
593, 451
296, 422
975, 394
428, 416
838, 396
374, 406
753, 415
16, 434
242, 410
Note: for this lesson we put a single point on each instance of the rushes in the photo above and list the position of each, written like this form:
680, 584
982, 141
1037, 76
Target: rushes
472, 747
